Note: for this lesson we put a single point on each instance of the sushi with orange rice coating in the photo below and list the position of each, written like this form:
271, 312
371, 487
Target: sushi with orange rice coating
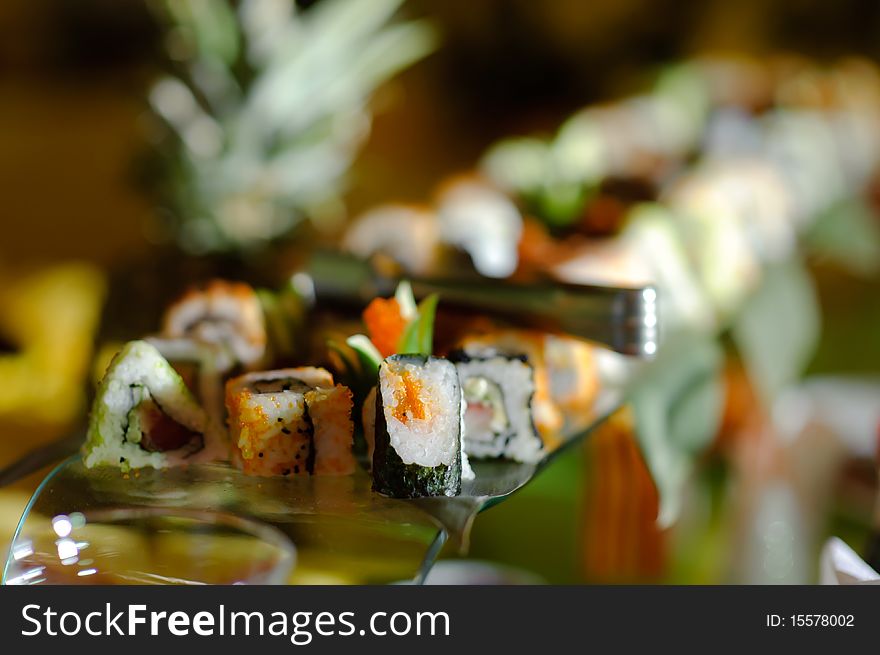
330, 411
293, 421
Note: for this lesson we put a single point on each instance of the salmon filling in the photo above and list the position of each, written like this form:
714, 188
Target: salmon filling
158, 432
409, 403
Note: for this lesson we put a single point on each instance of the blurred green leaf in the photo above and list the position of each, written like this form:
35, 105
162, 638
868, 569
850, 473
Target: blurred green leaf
263, 141
677, 402
849, 235
406, 301
351, 19
777, 330
212, 24
559, 205
279, 332
518, 165
528, 168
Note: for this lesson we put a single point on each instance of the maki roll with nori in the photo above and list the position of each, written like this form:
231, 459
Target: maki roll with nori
144, 415
418, 445
291, 421
498, 391
546, 413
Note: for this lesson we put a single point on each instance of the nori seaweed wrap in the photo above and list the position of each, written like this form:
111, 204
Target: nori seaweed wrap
498, 391
418, 446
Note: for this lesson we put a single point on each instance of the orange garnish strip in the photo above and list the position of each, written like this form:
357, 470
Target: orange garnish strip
385, 324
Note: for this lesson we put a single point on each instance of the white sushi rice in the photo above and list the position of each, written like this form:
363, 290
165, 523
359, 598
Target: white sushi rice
548, 416
515, 379
433, 440
140, 364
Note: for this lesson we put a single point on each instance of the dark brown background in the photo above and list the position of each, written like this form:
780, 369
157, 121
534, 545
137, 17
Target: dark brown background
73, 74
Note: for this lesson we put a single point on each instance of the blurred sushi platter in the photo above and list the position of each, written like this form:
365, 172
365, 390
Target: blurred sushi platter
169, 406
369, 423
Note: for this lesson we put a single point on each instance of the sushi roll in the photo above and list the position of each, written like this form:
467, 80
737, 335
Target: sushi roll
223, 313
498, 391
291, 421
203, 368
144, 415
547, 415
418, 447
211, 334
330, 412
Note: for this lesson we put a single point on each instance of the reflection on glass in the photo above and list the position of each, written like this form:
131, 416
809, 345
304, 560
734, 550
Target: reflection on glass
150, 546
211, 524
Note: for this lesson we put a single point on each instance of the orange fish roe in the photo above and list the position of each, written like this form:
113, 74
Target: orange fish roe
409, 402
385, 324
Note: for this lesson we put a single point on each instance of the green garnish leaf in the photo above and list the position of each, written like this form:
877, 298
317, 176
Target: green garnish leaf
369, 357
280, 334
427, 315
349, 365
418, 338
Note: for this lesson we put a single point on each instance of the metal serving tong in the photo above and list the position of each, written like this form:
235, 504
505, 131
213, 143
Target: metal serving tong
623, 319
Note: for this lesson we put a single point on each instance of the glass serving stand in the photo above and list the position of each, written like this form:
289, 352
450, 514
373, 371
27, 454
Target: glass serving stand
211, 524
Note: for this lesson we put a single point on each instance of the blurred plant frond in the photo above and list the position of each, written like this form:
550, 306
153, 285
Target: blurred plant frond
266, 109
741, 197
777, 329
677, 403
